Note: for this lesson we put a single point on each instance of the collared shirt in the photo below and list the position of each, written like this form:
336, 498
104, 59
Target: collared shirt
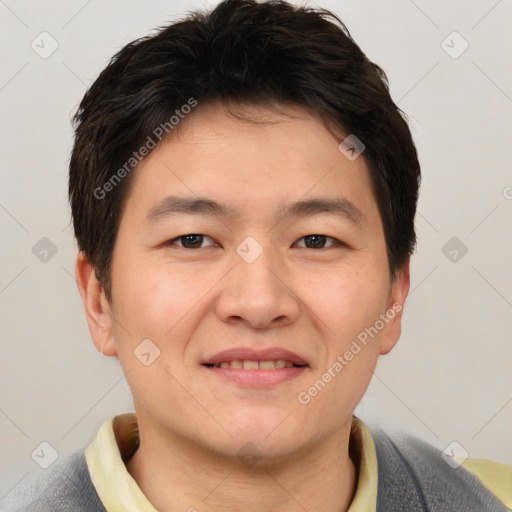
118, 439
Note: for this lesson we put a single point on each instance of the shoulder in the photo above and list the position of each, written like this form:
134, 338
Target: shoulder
495, 476
66, 486
414, 475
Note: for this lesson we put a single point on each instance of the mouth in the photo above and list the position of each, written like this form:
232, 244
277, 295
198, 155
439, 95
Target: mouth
251, 364
256, 369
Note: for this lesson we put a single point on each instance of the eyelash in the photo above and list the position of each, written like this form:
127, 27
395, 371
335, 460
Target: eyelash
335, 244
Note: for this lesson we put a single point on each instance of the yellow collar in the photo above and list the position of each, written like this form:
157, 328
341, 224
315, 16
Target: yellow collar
118, 438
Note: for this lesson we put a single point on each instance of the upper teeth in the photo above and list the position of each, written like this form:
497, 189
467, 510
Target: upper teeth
248, 364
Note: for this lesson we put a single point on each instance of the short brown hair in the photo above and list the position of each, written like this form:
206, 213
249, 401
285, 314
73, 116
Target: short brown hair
247, 52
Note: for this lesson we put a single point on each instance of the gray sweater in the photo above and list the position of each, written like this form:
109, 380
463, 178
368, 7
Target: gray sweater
412, 478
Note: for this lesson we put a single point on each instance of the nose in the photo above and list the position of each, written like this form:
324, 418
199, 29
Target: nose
259, 294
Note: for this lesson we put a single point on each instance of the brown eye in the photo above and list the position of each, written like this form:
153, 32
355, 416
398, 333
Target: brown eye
189, 241
318, 241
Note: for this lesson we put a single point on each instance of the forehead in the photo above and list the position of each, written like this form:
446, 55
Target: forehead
248, 157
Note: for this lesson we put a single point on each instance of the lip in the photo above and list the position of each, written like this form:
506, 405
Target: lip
256, 378
269, 354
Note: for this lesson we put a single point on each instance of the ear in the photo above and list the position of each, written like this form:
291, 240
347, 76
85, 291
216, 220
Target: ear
399, 291
97, 309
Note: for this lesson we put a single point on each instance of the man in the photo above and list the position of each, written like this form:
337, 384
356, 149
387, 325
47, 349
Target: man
243, 192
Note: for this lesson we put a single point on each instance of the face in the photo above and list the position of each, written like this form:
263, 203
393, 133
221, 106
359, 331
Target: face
255, 279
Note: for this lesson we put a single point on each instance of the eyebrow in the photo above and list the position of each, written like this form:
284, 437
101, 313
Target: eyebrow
172, 205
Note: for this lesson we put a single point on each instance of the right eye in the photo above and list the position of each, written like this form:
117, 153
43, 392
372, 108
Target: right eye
189, 241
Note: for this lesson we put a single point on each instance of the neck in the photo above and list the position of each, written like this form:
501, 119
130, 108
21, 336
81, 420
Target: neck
177, 475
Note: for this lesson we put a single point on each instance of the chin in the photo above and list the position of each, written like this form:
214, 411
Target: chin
251, 450
270, 437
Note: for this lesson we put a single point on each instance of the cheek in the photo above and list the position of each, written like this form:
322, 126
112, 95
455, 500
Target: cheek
349, 302
352, 306
157, 300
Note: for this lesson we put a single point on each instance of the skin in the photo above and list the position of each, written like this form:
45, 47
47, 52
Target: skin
193, 303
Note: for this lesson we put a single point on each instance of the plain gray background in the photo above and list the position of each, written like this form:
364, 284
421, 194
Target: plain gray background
447, 380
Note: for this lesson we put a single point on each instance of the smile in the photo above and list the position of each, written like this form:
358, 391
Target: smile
249, 364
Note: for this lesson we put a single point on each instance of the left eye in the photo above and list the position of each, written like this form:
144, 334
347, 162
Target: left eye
318, 241
194, 241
